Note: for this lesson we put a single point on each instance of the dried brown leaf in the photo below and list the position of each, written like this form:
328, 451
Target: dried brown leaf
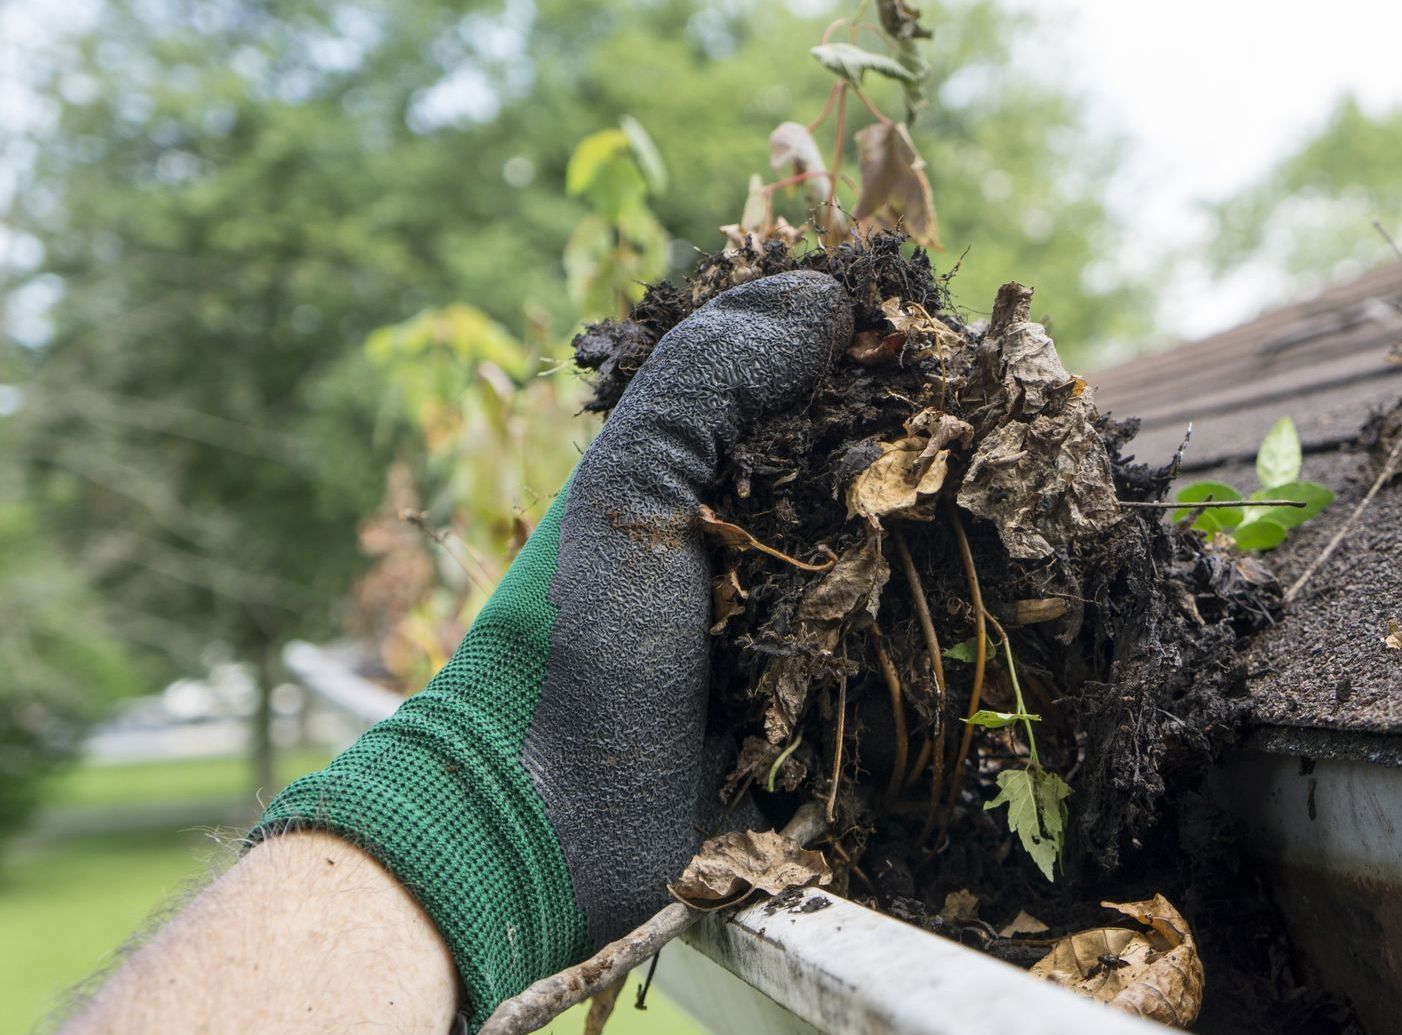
1023, 923
852, 589
904, 479
960, 906
792, 144
1042, 484
727, 600
874, 349
732, 867
1155, 974
894, 187
1393, 639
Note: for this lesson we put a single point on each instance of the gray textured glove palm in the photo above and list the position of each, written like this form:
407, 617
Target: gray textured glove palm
541, 791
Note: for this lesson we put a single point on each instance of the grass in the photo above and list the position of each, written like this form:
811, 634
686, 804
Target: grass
68, 903
182, 781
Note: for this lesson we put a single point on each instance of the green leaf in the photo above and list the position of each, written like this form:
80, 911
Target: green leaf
1314, 496
1037, 812
589, 158
1278, 460
1261, 534
1213, 519
966, 652
851, 62
997, 720
645, 151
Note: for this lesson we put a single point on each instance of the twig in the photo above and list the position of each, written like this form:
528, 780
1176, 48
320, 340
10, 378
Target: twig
831, 810
601, 1008
549, 997
419, 520
1390, 468
893, 684
976, 694
1378, 226
1205, 504
779, 762
837, 147
932, 643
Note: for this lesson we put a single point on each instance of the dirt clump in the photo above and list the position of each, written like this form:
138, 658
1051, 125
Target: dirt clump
948, 475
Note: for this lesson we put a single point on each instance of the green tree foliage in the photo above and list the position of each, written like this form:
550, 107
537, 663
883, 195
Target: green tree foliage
1312, 214
60, 660
233, 195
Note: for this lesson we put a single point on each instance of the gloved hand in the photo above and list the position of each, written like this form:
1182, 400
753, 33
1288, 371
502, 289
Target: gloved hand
537, 796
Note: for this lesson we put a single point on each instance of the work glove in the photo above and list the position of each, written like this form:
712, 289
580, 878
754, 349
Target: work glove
537, 796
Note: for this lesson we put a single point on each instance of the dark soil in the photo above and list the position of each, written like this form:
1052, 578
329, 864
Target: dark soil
1138, 671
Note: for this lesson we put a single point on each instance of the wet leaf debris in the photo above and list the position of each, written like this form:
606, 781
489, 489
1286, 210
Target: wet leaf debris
930, 604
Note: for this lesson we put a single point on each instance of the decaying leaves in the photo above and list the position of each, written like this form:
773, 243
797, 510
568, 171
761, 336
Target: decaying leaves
1155, 974
910, 471
792, 145
917, 325
1393, 639
732, 867
1041, 474
727, 600
960, 906
1023, 923
850, 590
895, 190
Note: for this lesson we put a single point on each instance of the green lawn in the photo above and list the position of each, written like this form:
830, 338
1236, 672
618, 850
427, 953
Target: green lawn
66, 903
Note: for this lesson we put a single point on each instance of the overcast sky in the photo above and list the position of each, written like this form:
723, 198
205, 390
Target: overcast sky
1211, 93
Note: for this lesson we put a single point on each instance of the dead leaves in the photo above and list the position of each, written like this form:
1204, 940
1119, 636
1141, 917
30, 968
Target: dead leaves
895, 191
1047, 481
851, 590
732, 867
1393, 639
904, 480
1155, 974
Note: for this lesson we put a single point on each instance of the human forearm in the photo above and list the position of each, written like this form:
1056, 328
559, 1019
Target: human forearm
305, 933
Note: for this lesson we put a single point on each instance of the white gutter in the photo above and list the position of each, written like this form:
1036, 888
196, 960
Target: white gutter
822, 964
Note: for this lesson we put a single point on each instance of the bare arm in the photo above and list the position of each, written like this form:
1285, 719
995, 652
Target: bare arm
306, 933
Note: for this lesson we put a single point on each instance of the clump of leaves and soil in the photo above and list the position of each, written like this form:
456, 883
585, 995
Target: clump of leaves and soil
953, 611
938, 614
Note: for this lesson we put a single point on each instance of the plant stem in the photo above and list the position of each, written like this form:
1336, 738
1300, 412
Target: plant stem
1017, 691
893, 684
875, 111
976, 694
779, 762
837, 752
837, 145
827, 108
1205, 504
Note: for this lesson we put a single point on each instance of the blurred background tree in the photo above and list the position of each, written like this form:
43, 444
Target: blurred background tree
1310, 217
231, 196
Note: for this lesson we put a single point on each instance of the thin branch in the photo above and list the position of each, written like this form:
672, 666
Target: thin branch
876, 112
827, 108
831, 809
419, 519
1378, 226
836, 168
976, 694
549, 997
1390, 468
932, 644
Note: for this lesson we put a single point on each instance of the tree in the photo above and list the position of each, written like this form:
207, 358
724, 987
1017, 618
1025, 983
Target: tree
1309, 218
233, 195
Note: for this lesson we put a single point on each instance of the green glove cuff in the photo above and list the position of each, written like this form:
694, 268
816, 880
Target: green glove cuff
437, 793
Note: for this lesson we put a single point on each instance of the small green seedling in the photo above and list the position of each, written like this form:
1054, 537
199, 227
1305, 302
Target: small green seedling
1257, 527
